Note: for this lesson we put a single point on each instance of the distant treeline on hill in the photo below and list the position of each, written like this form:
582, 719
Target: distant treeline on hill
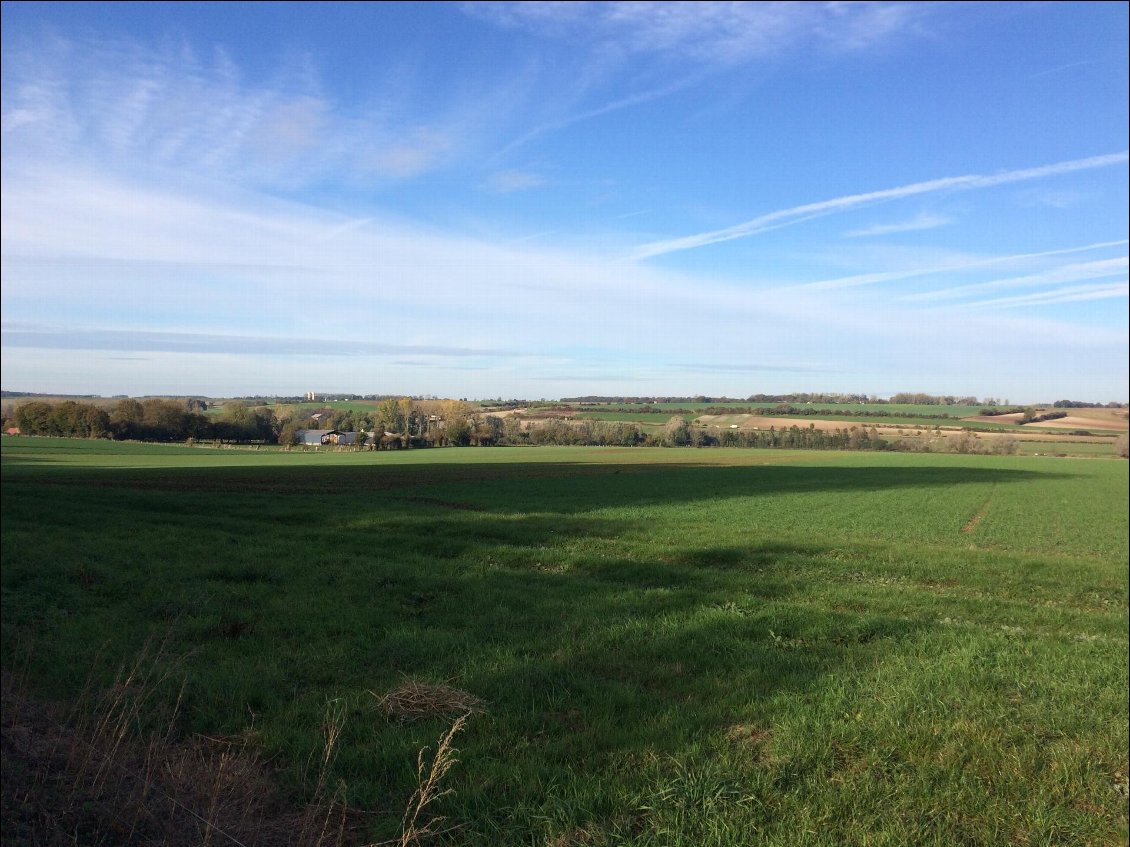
319, 397
1079, 404
800, 397
15, 395
435, 424
1028, 415
782, 409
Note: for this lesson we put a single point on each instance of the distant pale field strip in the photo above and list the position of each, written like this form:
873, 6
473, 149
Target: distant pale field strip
803, 421
1080, 422
889, 426
1107, 419
909, 409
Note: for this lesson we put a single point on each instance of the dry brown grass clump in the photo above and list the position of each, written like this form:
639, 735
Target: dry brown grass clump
413, 700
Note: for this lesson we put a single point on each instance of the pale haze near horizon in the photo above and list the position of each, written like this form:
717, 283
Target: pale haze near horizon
544, 200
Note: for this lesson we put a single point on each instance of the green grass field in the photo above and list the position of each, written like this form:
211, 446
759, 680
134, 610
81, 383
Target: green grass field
654, 418
672, 647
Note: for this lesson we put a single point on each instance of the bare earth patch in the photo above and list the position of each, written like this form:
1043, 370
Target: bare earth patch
1083, 422
1078, 419
979, 515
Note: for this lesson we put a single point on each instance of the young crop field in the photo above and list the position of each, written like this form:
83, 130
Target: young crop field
1101, 449
631, 417
636, 646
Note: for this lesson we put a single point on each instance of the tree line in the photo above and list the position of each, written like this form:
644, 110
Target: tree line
145, 420
905, 397
403, 423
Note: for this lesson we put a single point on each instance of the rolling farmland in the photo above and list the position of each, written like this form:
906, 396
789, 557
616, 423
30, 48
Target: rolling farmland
652, 646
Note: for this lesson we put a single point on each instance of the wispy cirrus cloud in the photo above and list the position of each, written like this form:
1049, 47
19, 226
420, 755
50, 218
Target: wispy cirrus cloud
1074, 272
1058, 296
507, 182
169, 107
752, 368
808, 211
22, 336
857, 280
922, 221
579, 115
711, 32
673, 47
1063, 198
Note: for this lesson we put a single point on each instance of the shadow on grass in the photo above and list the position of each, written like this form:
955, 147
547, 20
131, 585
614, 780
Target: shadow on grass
563, 487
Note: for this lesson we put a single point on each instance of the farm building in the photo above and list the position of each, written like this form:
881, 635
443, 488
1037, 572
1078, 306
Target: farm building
318, 437
315, 437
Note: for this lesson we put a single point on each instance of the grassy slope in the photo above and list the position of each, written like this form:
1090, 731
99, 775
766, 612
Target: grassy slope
676, 646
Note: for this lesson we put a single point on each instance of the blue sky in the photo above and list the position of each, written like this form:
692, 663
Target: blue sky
544, 199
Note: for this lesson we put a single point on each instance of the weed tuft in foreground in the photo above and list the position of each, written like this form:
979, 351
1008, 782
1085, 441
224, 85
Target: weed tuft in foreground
429, 775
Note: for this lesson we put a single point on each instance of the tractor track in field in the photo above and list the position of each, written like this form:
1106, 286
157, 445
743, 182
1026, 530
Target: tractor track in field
979, 515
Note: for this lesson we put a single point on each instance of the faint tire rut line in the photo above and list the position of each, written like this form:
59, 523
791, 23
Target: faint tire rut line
979, 515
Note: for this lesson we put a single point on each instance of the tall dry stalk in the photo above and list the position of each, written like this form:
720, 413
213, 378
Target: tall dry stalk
429, 775
317, 824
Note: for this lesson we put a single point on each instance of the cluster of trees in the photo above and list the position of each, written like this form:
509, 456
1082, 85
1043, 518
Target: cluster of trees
417, 423
799, 438
819, 397
967, 442
920, 399
994, 411
69, 418
145, 420
1030, 416
492, 430
1079, 404
604, 400
789, 409
678, 433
